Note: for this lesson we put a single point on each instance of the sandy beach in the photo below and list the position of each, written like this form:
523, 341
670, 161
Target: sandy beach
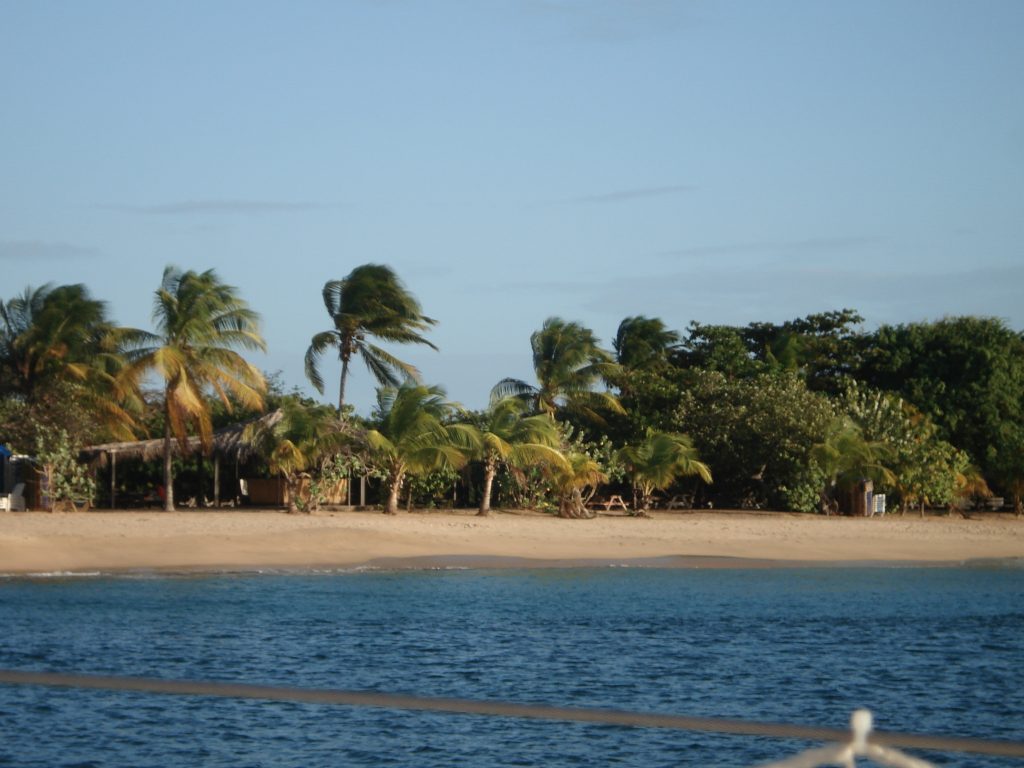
38, 542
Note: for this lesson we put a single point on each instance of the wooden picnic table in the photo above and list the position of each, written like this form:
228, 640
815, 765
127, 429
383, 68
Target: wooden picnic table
607, 505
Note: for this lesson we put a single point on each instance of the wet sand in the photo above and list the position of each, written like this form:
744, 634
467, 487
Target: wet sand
38, 542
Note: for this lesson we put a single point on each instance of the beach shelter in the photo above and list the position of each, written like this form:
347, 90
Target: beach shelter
228, 445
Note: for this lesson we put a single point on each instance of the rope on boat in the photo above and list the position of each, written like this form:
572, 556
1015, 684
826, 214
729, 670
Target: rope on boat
846, 754
875, 744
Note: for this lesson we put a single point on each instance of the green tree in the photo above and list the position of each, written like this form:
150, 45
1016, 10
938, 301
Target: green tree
657, 461
200, 321
757, 433
66, 480
371, 302
60, 358
569, 363
925, 468
718, 348
823, 348
509, 437
413, 436
967, 375
296, 441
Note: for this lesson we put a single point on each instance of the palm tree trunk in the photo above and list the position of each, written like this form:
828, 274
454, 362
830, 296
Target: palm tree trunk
391, 508
168, 471
292, 484
485, 500
341, 386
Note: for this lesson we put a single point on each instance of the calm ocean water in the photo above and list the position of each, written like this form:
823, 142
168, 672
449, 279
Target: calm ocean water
932, 650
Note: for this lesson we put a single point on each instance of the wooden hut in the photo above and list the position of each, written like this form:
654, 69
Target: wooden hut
228, 446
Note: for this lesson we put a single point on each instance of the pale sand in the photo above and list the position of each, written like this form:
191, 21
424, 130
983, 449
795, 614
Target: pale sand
204, 540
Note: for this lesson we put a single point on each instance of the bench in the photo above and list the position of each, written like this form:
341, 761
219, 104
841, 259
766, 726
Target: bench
607, 505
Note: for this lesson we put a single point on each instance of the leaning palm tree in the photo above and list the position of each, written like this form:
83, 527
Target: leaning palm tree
659, 460
199, 321
568, 363
370, 303
413, 436
576, 482
509, 437
296, 440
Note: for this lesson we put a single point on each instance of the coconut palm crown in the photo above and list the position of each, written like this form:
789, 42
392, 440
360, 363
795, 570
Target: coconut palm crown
569, 363
371, 302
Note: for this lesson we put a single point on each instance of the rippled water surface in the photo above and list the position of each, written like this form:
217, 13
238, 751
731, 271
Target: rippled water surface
929, 650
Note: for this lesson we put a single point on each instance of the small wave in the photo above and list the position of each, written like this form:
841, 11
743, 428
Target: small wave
53, 575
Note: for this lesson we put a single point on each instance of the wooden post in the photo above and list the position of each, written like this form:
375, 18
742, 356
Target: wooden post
113, 479
362, 491
216, 480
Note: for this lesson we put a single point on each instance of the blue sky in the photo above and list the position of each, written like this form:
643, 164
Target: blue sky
724, 162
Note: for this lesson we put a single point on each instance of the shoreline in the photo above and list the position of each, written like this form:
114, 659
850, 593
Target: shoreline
204, 541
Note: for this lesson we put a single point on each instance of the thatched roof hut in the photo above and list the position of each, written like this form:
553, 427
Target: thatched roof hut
228, 442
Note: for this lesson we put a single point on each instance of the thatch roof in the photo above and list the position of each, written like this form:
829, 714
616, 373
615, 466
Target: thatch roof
228, 442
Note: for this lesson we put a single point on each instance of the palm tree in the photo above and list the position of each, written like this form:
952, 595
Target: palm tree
508, 436
296, 439
643, 341
59, 352
413, 437
199, 321
568, 363
658, 461
576, 482
370, 303
49, 332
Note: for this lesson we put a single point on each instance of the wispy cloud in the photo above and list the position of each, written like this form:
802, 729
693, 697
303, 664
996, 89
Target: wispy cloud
217, 208
38, 250
640, 193
812, 245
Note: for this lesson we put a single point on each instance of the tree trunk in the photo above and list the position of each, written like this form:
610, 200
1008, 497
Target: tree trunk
292, 484
341, 386
485, 500
573, 507
391, 508
168, 470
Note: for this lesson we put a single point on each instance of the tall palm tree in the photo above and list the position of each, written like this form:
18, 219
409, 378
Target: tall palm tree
297, 439
643, 341
568, 363
413, 436
370, 303
508, 436
200, 322
658, 461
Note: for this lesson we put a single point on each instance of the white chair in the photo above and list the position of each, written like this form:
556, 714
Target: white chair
15, 500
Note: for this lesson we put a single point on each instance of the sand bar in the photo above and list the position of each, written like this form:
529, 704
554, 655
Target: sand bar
38, 542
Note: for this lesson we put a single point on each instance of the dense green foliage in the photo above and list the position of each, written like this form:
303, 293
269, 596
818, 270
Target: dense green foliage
784, 415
